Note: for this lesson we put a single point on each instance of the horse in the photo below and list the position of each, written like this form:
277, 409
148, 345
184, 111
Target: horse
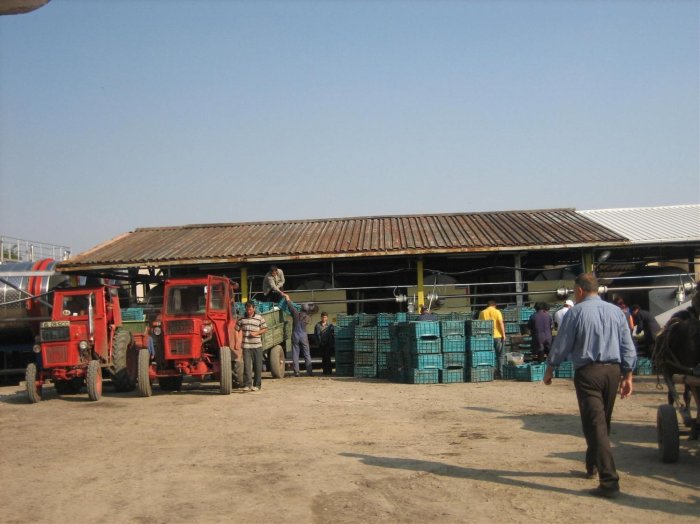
677, 351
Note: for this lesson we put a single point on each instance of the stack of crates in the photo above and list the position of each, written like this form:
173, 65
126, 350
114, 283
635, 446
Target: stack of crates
454, 355
397, 357
643, 367
424, 352
365, 347
345, 345
384, 338
481, 357
565, 370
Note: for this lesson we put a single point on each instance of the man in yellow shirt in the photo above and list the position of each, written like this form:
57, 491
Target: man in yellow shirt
499, 332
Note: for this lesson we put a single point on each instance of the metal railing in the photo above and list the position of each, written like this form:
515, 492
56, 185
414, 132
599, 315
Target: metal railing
19, 250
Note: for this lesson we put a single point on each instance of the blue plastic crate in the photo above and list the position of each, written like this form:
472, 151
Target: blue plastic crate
481, 358
365, 332
363, 319
565, 370
345, 320
365, 359
385, 319
424, 329
424, 346
422, 376
133, 313
344, 370
382, 360
365, 371
344, 344
449, 328
644, 366
344, 332
480, 374
426, 361
384, 346
508, 372
462, 317
479, 327
530, 372
454, 360
383, 333
480, 343
345, 357
454, 345
451, 376
526, 313
365, 345
400, 317
511, 314
512, 328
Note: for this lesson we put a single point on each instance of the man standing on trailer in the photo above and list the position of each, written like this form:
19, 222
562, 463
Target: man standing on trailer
273, 284
596, 337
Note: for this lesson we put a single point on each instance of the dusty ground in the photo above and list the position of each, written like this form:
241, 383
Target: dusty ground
333, 450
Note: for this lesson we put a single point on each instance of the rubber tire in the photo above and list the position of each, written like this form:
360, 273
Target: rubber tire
144, 381
667, 433
226, 379
238, 373
277, 361
94, 380
124, 362
34, 392
170, 383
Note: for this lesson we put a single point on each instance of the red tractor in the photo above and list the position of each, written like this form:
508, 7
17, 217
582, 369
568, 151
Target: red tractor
83, 338
193, 336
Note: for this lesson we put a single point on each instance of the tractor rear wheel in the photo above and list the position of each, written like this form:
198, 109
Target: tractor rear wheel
144, 366
124, 360
94, 380
34, 390
238, 373
277, 362
667, 433
226, 377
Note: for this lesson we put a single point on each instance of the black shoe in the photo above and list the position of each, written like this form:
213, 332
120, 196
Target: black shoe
605, 493
296, 373
592, 474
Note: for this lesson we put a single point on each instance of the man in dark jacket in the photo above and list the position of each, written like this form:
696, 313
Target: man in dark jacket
540, 325
644, 321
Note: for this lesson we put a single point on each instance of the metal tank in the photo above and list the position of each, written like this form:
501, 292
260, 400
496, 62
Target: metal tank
18, 315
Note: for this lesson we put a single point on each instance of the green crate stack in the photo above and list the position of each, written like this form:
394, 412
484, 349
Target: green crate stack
400, 317
344, 332
365, 332
512, 328
384, 346
509, 372
477, 359
385, 319
424, 329
426, 361
395, 366
462, 317
451, 376
454, 344
383, 332
511, 314
422, 376
475, 328
365, 320
480, 374
344, 370
565, 370
423, 345
526, 313
383, 364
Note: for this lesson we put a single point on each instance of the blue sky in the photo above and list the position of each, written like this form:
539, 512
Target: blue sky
123, 114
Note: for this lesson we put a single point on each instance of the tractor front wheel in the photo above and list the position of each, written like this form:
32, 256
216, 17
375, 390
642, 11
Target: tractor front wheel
94, 380
277, 362
34, 390
124, 361
226, 378
144, 366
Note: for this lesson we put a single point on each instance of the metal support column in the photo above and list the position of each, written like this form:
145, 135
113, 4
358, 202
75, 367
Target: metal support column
518, 258
244, 284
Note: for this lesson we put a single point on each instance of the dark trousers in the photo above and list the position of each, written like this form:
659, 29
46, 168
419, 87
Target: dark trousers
252, 367
326, 364
596, 388
301, 343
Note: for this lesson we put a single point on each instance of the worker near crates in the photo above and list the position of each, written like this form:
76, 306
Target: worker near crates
595, 336
499, 332
273, 284
300, 339
253, 326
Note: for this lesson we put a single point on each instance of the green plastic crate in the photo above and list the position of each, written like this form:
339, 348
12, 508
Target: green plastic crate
480, 374
530, 372
426, 361
366, 359
481, 358
454, 344
479, 327
365, 332
480, 343
424, 346
422, 376
365, 345
449, 328
451, 376
454, 360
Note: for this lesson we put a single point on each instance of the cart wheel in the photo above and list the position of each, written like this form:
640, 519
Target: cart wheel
277, 362
667, 433
94, 380
144, 380
34, 390
226, 378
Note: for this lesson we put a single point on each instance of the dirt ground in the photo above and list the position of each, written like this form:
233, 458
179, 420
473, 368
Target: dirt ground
318, 449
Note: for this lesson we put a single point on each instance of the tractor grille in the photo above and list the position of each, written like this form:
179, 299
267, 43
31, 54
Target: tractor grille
181, 347
55, 355
55, 334
179, 327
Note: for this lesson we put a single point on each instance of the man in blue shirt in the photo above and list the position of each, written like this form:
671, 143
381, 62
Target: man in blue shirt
595, 336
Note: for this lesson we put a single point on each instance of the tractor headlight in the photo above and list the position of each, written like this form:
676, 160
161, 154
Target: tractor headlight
83, 345
36, 348
206, 329
157, 331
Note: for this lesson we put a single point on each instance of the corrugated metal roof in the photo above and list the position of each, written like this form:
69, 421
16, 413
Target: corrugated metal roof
346, 237
644, 225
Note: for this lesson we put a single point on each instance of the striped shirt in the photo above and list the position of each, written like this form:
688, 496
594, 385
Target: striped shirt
248, 325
